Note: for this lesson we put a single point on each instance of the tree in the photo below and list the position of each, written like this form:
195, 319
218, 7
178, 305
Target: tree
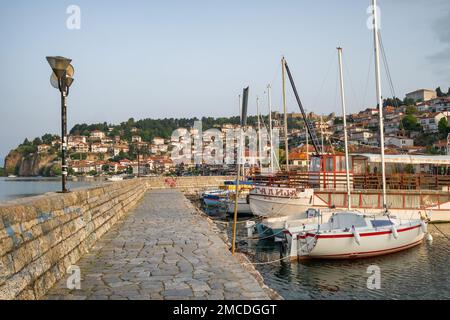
439, 92
47, 138
410, 123
394, 102
448, 92
37, 142
411, 110
408, 102
443, 126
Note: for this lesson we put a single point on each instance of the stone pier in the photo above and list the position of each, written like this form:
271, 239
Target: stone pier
164, 249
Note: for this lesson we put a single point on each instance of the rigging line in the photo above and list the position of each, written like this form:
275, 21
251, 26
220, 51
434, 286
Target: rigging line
367, 84
265, 262
388, 71
434, 225
386, 65
323, 82
271, 147
262, 238
347, 69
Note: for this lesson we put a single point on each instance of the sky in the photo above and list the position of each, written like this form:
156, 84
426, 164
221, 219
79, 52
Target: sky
177, 58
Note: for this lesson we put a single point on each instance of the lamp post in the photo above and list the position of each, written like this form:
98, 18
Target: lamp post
62, 79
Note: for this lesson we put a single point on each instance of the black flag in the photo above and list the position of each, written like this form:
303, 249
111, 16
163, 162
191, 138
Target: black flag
244, 107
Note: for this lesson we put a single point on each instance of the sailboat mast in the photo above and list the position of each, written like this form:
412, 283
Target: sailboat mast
269, 100
241, 167
379, 98
344, 116
283, 69
321, 132
259, 132
307, 147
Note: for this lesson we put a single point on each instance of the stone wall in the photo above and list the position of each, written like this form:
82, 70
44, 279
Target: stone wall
40, 237
187, 184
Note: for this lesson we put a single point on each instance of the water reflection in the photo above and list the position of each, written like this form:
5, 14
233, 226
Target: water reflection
418, 273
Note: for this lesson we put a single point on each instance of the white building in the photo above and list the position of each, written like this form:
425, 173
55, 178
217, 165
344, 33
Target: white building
400, 142
421, 95
430, 121
136, 139
158, 140
98, 134
98, 148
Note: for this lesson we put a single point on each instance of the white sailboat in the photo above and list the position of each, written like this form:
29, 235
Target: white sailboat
279, 201
351, 234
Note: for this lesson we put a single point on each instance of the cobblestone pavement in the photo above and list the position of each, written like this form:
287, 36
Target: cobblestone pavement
162, 250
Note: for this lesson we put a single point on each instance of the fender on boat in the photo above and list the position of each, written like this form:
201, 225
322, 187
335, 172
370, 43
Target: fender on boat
356, 235
423, 226
394, 232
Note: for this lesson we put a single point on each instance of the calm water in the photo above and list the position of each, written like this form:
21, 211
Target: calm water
422, 272
25, 187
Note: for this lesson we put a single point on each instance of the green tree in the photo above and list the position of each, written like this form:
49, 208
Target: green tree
394, 102
439, 92
411, 110
443, 126
410, 123
408, 102
37, 141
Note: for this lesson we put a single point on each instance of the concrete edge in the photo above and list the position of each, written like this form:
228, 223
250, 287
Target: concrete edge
241, 257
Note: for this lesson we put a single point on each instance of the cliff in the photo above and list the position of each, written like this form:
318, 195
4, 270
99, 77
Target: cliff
28, 165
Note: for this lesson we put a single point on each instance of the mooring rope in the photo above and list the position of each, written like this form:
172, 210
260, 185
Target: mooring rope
267, 262
434, 225
259, 238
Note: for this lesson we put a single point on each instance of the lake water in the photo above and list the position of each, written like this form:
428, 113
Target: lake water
25, 187
422, 272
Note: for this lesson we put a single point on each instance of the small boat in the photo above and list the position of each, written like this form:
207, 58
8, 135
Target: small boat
268, 201
115, 178
215, 198
350, 235
243, 205
11, 176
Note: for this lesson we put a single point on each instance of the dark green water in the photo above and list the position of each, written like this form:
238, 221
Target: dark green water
422, 272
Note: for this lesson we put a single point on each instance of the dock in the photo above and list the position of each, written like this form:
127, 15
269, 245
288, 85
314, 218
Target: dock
163, 249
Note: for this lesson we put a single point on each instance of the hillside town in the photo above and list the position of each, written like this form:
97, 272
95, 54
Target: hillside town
416, 125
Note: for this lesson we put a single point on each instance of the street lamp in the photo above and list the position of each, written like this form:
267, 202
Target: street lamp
62, 79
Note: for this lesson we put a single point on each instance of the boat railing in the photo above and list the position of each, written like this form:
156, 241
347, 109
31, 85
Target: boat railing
337, 180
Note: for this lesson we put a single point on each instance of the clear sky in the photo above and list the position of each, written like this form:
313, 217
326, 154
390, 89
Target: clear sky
156, 59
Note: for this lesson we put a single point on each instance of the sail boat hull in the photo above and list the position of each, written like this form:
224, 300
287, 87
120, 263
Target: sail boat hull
272, 201
372, 243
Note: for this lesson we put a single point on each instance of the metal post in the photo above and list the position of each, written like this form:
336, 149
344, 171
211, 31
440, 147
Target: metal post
307, 146
379, 98
236, 194
269, 99
63, 140
139, 162
283, 69
259, 134
344, 116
